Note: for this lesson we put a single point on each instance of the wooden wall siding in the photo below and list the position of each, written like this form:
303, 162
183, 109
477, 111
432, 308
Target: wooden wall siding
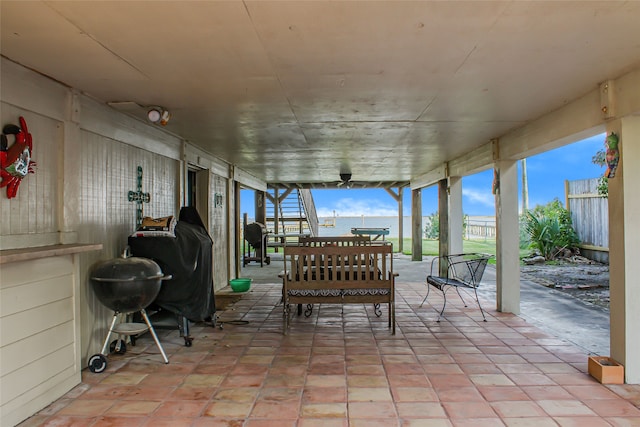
589, 213
108, 171
219, 226
33, 211
38, 325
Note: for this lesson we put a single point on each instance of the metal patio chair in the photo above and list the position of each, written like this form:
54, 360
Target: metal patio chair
462, 271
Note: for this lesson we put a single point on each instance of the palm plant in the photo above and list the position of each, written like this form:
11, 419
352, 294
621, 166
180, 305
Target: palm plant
550, 229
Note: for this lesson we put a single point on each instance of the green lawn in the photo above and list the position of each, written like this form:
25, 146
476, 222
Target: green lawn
430, 247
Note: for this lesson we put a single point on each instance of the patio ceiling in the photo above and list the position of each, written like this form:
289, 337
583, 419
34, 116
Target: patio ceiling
299, 92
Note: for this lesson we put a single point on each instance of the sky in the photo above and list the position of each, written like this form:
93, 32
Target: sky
546, 175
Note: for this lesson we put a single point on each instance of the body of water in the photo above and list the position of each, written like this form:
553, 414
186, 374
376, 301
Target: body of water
342, 225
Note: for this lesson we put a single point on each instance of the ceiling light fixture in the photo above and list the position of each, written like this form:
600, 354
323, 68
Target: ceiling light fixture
158, 115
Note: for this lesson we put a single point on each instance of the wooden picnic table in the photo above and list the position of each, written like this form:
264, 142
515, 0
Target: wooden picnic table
375, 233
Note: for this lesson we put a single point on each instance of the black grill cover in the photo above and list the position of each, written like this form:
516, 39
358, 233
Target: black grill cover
187, 257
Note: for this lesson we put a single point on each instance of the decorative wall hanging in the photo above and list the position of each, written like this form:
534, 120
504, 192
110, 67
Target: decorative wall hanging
139, 197
218, 200
15, 161
612, 155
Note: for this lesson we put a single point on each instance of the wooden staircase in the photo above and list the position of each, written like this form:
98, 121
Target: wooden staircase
290, 213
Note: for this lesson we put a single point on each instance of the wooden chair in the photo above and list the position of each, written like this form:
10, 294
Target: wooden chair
462, 271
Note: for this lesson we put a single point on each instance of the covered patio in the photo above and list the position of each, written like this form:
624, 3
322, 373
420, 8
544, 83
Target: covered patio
345, 369
142, 108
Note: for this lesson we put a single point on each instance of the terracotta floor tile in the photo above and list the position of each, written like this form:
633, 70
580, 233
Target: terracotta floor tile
460, 394
109, 421
491, 379
191, 393
134, 407
366, 381
469, 410
480, 368
427, 422
132, 378
420, 410
325, 380
224, 409
369, 394
276, 410
367, 422
169, 422
449, 381
517, 409
236, 394
531, 379
564, 408
243, 381
547, 393
530, 422
518, 368
270, 423
87, 407
180, 408
591, 392
612, 408
365, 370
325, 394
59, 422
372, 410
323, 410
502, 393
581, 422
624, 421
414, 394
322, 422
477, 422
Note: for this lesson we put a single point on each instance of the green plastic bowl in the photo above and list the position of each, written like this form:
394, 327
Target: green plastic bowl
240, 285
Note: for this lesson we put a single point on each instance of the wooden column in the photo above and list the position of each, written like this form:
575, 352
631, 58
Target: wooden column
508, 236
416, 225
624, 249
443, 224
398, 199
456, 215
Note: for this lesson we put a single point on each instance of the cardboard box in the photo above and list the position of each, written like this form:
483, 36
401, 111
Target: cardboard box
606, 370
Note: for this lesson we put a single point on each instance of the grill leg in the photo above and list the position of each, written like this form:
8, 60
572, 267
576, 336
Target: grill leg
106, 341
153, 334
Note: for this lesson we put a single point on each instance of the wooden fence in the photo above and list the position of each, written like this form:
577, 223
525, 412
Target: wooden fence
590, 216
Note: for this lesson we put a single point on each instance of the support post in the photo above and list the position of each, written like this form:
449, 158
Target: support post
508, 236
456, 216
416, 225
443, 224
624, 249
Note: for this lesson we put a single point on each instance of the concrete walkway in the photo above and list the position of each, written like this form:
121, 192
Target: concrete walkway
556, 313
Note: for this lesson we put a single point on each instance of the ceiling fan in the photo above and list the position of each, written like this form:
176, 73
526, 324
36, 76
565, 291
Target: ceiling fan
345, 179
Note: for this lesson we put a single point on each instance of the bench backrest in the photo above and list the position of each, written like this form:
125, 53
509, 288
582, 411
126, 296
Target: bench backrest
335, 241
338, 267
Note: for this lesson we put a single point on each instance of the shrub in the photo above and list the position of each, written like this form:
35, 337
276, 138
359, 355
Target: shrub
550, 229
432, 229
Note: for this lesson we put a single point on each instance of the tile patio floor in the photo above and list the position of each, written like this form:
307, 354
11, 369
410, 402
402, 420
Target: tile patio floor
339, 369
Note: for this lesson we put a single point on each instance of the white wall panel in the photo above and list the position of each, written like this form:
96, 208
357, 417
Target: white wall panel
219, 231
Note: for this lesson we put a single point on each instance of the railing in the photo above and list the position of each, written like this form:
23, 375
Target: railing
310, 210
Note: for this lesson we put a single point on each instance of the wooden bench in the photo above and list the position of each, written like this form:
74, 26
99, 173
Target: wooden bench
340, 275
